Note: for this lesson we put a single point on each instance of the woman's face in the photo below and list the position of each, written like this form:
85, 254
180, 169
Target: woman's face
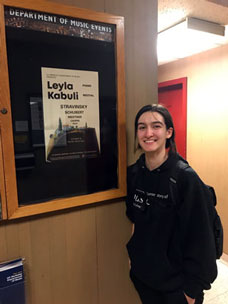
152, 132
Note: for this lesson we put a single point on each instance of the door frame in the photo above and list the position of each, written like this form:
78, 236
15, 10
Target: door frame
178, 83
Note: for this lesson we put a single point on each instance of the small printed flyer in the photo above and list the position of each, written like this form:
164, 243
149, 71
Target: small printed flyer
71, 114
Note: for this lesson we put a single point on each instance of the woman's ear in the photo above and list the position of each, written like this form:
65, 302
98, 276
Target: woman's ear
169, 133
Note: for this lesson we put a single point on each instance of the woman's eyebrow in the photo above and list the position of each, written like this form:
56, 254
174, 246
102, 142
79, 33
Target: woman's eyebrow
158, 122
153, 122
141, 123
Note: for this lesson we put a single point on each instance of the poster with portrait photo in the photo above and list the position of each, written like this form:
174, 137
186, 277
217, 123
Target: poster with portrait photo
71, 114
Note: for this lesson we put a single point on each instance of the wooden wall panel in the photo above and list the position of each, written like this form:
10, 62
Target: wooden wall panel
79, 256
58, 254
12, 240
81, 260
97, 5
3, 249
140, 58
39, 272
113, 271
25, 251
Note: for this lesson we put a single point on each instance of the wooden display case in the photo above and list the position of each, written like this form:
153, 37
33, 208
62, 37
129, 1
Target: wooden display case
62, 107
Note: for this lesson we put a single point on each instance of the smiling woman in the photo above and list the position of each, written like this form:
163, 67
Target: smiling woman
171, 251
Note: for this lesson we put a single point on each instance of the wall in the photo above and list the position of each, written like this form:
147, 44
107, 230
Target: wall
207, 112
79, 256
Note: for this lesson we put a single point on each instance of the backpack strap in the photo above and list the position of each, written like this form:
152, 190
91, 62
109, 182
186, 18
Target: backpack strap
213, 195
174, 191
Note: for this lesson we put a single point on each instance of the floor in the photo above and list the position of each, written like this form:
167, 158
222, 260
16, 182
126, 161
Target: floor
218, 294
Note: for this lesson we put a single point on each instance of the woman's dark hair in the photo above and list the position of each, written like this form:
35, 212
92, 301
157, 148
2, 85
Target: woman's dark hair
170, 142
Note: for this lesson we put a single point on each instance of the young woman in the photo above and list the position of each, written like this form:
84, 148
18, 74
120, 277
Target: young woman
172, 250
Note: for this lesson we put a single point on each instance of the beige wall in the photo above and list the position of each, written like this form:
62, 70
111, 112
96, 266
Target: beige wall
207, 118
79, 256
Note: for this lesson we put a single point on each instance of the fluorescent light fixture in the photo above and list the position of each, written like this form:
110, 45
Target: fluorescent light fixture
187, 38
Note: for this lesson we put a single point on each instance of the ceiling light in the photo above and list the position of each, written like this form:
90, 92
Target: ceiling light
189, 37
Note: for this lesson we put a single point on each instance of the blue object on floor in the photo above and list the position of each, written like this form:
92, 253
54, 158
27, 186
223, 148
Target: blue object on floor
12, 287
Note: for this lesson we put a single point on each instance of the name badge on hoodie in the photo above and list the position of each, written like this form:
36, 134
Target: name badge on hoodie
140, 200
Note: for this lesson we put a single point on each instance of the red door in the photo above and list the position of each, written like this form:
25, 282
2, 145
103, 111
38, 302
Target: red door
173, 95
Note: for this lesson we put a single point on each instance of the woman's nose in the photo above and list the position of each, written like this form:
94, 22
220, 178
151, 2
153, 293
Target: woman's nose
149, 132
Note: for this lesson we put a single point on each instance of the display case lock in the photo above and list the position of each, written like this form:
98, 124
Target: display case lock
4, 111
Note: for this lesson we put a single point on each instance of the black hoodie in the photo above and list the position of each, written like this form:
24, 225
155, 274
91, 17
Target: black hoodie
172, 247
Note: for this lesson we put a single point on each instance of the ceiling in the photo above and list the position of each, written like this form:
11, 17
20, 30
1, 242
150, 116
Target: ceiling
171, 12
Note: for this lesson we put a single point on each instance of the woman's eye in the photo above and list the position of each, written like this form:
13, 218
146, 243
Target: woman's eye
157, 126
141, 128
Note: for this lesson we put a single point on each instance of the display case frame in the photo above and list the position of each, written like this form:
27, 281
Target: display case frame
11, 207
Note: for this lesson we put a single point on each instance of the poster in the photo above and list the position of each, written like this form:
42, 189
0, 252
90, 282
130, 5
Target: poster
71, 114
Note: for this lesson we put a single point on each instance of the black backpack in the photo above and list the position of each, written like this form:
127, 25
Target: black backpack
212, 201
